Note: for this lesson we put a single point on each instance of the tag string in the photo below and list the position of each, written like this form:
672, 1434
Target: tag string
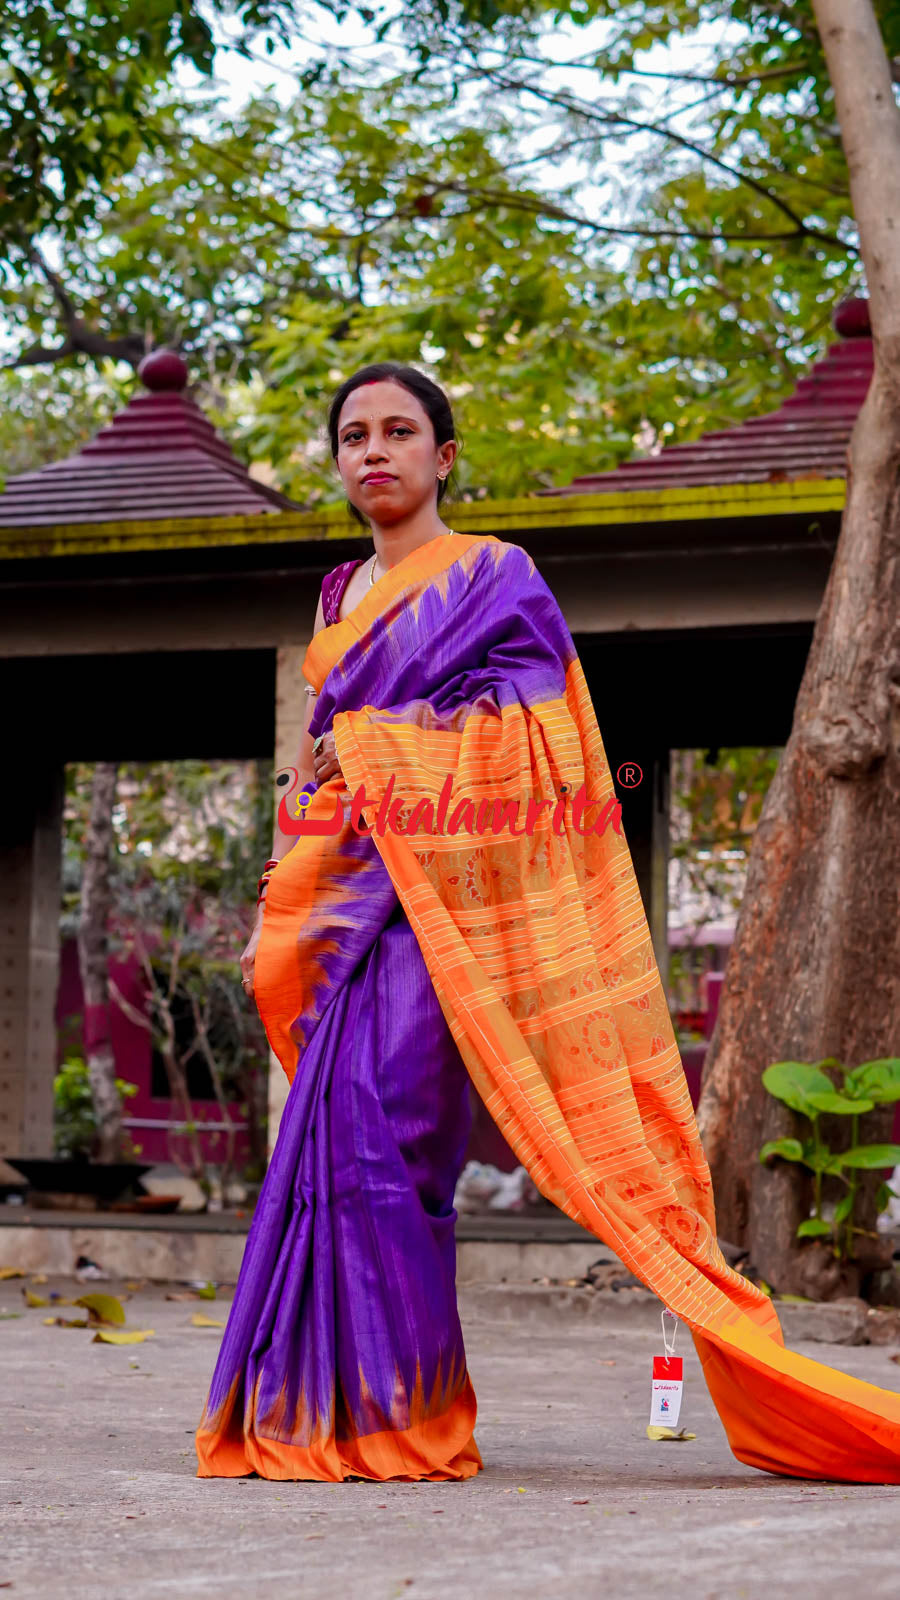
669, 1348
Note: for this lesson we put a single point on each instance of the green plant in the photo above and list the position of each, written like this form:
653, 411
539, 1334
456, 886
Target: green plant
807, 1089
74, 1120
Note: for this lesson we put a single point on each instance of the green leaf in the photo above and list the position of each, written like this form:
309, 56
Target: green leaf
821, 1159
793, 1082
813, 1228
787, 1149
871, 1155
843, 1208
876, 1080
839, 1104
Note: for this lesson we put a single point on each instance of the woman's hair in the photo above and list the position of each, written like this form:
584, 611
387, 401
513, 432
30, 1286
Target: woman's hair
431, 397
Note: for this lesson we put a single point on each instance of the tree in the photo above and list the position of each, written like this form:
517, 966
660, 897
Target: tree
716, 800
93, 947
48, 413
814, 972
426, 211
189, 836
79, 86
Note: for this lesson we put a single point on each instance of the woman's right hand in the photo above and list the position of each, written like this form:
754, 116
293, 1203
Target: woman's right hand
248, 959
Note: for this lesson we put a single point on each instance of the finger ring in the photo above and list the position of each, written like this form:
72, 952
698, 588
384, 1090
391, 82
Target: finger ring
317, 742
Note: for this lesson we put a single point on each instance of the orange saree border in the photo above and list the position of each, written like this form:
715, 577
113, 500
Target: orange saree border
438, 1445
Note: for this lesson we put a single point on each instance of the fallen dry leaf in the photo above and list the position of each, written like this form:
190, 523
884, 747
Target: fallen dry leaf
198, 1320
122, 1336
653, 1432
11, 1272
34, 1299
66, 1322
103, 1308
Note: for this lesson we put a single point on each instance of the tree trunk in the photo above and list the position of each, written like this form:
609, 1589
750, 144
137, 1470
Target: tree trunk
96, 897
815, 966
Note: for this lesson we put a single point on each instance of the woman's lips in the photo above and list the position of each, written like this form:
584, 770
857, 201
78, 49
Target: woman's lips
379, 477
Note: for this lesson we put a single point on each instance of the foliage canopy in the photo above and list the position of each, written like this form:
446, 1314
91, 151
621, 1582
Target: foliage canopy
633, 247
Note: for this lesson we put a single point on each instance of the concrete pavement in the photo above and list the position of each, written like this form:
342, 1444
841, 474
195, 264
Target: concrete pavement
100, 1500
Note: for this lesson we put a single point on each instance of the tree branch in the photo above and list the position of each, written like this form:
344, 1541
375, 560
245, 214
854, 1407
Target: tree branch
591, 62
544, 208
78, 338
139, 1018
617, 119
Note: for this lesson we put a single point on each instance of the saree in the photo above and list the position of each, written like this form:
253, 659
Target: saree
474, 906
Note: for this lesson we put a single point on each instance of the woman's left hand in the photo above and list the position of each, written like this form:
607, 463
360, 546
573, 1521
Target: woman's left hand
325, 760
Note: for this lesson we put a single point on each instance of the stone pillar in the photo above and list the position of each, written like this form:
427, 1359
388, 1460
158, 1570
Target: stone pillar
290, 720
31, 811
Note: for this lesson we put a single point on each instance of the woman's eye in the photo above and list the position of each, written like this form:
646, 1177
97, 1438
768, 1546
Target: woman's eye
401, 429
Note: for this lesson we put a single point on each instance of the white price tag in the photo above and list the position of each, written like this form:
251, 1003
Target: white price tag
667, 1385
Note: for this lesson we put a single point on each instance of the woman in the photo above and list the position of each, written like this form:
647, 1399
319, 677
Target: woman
489, 926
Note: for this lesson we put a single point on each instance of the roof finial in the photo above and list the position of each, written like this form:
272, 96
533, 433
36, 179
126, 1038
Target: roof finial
850, 319
163, 370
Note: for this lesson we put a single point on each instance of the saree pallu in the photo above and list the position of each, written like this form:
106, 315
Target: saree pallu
458, 668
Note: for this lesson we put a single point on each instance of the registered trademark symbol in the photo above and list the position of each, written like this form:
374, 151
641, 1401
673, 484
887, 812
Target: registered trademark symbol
629, 775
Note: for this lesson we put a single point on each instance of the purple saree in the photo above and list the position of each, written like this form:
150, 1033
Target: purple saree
343, 1354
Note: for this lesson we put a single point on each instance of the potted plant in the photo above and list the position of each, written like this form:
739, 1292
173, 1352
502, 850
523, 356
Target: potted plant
71, 1176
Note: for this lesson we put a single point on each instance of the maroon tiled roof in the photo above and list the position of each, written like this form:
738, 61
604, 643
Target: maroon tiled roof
158, 458
806, 437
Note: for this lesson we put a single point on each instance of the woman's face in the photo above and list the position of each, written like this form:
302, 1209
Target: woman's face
387, 457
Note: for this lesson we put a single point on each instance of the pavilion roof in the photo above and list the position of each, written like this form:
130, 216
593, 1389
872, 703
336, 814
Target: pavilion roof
805, 438
159, 458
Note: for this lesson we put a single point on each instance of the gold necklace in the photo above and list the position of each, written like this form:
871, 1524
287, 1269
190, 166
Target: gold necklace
451, 532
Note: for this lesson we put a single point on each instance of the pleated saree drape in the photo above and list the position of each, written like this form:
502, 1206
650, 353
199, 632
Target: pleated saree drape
385, 962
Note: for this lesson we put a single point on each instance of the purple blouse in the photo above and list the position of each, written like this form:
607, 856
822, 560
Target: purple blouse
333, 587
